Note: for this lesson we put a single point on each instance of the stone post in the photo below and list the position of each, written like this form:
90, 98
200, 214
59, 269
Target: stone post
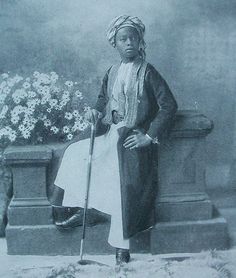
30, 230
29, 205
186, 218
181, 167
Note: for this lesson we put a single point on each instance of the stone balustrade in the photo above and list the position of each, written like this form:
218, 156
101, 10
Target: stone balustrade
186, 219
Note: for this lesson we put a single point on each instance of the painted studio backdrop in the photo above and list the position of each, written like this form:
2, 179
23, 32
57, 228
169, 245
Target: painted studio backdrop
192, 43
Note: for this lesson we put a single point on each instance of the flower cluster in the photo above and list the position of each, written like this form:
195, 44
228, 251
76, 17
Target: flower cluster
39, 108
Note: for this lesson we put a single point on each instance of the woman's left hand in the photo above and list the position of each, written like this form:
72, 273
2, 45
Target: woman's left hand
137, 140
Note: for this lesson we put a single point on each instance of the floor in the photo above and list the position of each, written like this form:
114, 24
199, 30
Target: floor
32, 266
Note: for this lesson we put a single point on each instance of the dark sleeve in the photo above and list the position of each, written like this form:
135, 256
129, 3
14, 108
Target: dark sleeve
102, 96
165, 100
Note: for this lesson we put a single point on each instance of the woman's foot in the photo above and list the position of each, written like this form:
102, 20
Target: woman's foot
122, 256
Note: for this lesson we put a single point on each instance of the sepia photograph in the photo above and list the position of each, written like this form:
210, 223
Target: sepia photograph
117, 139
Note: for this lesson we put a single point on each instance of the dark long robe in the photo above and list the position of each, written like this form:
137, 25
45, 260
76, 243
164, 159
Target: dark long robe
156, 110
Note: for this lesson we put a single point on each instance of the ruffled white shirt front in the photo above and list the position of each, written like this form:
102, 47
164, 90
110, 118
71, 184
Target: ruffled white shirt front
119, 91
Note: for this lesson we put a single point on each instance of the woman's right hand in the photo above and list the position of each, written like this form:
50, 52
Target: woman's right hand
92, 116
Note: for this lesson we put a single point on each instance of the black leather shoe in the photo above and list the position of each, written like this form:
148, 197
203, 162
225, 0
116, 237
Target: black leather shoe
93, 218
72, 222
122, 256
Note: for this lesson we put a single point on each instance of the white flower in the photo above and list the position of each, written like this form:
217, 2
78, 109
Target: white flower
31, 94
3, 111
12, 136
43, 101
79, 125
29, 111
69, 136
49, 110
19, 94
68, 116
42, 117
5, 76
26, 85
2, 131
47, 122
26, 121
66, 129
44, 90
3, 84
17, 78
6, 90
69, 83
58, 107
2, 98
8, 129
83, 126
36, 84
87, 108
37, 101
18, 109
76, 126
31, 103
55, 89
53, 102
30, 126
65, 95
15, 119
78, 94
44, 79
54, 129
26, 133
10, 82
36, 74
64, 102
54, 77
75, 113
16, 100
29, 121
21, 127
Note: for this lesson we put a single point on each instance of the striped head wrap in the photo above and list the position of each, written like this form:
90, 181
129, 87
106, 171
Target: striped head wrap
127, 21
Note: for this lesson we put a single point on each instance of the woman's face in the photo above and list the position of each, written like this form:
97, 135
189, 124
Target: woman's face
127, 43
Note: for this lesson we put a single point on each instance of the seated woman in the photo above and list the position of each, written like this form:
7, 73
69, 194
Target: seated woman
137, 106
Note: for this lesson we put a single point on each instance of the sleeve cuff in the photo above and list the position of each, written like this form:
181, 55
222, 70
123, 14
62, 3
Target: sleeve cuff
154, 140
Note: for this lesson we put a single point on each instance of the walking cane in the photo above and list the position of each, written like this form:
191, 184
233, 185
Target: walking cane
89, 170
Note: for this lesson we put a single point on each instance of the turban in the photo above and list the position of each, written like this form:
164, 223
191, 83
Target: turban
126, 21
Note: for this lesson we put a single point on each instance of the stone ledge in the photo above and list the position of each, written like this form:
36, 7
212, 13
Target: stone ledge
190, 123
184, 211
27, 154
189, 236
48, 240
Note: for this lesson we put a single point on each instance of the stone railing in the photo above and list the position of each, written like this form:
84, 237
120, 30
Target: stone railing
5, 194
186, 221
